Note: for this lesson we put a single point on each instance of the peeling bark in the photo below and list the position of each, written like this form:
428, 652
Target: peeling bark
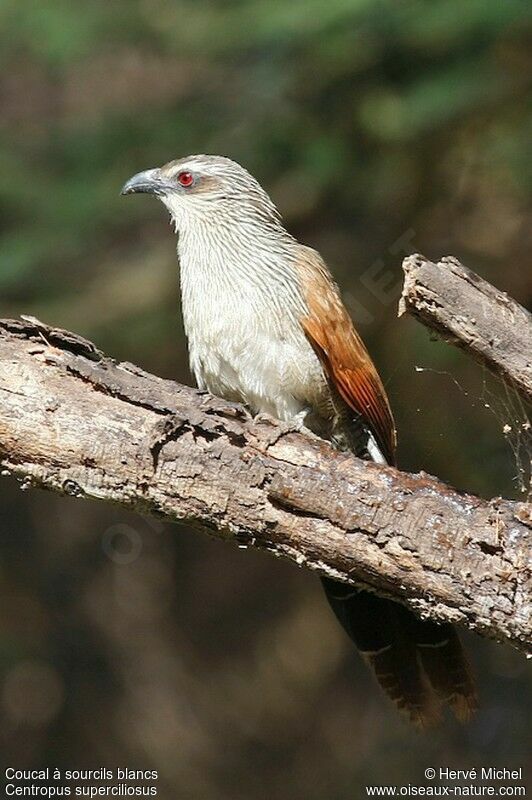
76, 422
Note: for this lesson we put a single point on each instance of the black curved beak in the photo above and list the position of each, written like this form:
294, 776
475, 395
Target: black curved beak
148, 182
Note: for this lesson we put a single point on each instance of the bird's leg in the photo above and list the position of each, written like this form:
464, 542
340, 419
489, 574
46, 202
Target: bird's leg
299, 420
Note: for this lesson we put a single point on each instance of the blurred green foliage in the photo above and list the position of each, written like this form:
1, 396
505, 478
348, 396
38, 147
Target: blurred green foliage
379, 127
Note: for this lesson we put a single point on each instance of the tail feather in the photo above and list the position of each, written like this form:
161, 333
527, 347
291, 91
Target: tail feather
443, 659
418, 664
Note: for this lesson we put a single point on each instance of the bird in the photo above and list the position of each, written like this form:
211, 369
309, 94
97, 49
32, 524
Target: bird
266, 327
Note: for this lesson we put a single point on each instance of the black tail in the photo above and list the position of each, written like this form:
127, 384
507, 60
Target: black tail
418, 664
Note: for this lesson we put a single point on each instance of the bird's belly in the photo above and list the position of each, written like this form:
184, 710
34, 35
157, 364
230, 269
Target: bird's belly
270, 374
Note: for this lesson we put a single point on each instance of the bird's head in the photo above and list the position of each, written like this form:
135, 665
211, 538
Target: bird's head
206, 188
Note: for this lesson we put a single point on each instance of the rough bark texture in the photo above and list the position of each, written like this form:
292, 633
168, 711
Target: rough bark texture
470, 313
76, 422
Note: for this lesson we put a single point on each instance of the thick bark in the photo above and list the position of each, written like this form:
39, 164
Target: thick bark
76, 422
472, 314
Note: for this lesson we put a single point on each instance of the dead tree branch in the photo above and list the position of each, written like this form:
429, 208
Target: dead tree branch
76, 422
473, 315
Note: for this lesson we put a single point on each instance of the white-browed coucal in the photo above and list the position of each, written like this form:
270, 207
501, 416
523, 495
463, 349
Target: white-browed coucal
266, 327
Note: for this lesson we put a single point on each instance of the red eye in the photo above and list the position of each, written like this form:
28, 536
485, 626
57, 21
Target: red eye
185, 179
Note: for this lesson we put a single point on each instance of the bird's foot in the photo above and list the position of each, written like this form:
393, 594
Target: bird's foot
279, 428
224, 408
262, 418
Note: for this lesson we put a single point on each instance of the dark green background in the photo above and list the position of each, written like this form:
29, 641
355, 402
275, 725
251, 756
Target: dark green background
379, 127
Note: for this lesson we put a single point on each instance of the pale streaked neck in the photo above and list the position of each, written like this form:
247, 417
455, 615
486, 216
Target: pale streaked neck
224, 249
